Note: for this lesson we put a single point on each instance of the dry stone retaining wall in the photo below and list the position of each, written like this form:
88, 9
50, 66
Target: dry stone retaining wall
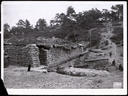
13, 54
21, 55
31, 55
56, 55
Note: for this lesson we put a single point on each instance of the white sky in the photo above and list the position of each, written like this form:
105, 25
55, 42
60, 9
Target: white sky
15, 10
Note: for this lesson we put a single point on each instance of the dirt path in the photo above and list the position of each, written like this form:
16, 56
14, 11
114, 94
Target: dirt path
111, 47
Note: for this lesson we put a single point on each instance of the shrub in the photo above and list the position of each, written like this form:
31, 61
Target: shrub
118, 35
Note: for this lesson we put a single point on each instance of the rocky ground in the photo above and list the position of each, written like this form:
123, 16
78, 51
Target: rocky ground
18, 77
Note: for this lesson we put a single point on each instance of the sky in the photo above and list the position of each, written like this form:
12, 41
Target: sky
32, 11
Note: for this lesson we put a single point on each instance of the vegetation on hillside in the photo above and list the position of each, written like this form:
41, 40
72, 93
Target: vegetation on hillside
71, 26
118, 35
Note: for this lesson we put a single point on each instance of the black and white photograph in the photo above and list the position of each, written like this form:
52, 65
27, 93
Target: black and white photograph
64, 47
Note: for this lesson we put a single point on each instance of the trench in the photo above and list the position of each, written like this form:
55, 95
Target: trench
42, 55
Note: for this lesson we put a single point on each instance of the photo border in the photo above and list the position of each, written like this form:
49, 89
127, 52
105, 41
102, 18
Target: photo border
72, 91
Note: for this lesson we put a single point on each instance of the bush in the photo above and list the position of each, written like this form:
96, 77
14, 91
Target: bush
118, 35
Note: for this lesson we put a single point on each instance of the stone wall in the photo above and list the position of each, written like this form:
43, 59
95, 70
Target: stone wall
69, 60
57, 55
13, 54
21, 55
30, 55
99, 64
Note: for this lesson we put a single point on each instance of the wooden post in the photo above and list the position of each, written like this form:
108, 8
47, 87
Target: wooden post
90, 39
29, 67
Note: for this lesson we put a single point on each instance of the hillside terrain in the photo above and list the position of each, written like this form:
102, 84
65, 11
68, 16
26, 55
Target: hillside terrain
23, 79
77, 50
107, 38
